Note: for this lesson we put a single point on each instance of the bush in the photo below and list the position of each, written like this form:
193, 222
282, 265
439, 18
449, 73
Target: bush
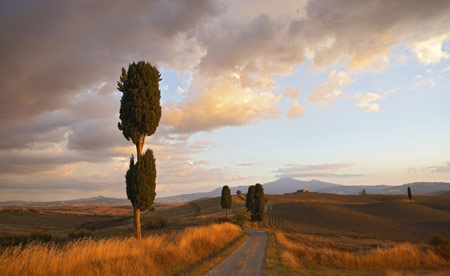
241, 216
14, 239
80, 233
221, 220
41, 235
156, 222
437, 240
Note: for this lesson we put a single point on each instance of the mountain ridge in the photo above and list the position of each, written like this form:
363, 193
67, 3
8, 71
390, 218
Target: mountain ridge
279, 186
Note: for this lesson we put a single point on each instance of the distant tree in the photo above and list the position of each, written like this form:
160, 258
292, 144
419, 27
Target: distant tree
140, 112
409, 193
363, 192
250, 201
238, 192
259, 204
226, 200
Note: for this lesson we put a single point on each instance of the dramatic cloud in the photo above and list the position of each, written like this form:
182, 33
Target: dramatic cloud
61, 62
314, 170
225, 104
52, 50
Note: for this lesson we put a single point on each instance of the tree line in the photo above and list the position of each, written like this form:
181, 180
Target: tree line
254, 202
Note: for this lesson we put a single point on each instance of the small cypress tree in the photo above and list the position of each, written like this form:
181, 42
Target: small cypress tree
250, 201
259, 204
238, 192
363, 192
226, 199
409, 193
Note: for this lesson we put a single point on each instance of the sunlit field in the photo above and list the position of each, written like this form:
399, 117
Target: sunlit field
299, 254
162, 254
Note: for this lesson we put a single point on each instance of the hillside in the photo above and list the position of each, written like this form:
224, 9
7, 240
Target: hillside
371, 216
99, 200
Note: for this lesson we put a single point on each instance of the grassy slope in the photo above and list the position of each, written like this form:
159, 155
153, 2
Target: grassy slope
164, 254
325, 229
372, 216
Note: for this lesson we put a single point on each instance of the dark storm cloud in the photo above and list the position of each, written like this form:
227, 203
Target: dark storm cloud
53, 49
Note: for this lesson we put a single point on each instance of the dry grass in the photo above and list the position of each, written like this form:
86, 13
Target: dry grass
299, 254
165, 254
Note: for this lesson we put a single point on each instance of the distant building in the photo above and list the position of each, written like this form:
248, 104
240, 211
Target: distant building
301, 191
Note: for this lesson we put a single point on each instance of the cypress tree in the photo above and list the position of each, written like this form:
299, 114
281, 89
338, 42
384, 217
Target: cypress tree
259, 204
140, 112
409, 193
226, 200
250, 201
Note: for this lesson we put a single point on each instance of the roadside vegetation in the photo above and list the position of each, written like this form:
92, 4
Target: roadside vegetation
171, 253
298, 254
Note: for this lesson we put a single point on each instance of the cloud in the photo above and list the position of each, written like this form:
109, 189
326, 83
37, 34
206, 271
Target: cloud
367, 101
314, 170
292, 92
51, 51
430, 51
327, 92
440, 169
296, 110
358, 33
61, 62
227, 103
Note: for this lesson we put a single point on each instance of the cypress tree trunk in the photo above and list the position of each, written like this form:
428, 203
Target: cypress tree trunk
137, 222
226, 214
137, 211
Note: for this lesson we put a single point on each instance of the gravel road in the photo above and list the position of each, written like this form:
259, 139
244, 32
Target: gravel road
247, 259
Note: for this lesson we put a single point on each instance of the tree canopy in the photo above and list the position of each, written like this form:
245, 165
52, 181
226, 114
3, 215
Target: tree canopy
141, 181
140, 108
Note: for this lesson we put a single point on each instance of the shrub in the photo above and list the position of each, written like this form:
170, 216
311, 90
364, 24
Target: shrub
41, 235
14, 239
241, 217
437, 240
80, 233
156, 222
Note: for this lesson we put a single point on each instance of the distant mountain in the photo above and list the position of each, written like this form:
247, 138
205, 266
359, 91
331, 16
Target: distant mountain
289, 185
416, 188
100, 200
280, 186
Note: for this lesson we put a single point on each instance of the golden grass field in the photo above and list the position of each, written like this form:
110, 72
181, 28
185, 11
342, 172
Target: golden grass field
325, 234
163, 254
309, 234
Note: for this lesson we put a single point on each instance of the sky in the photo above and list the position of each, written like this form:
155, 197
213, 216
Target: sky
344, 91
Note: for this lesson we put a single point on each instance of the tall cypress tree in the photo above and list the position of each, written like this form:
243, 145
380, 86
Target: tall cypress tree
250, 201
259, 204
226, 199
140, 112
409, 193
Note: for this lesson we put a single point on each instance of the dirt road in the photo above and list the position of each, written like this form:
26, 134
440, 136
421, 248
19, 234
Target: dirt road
247, 259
